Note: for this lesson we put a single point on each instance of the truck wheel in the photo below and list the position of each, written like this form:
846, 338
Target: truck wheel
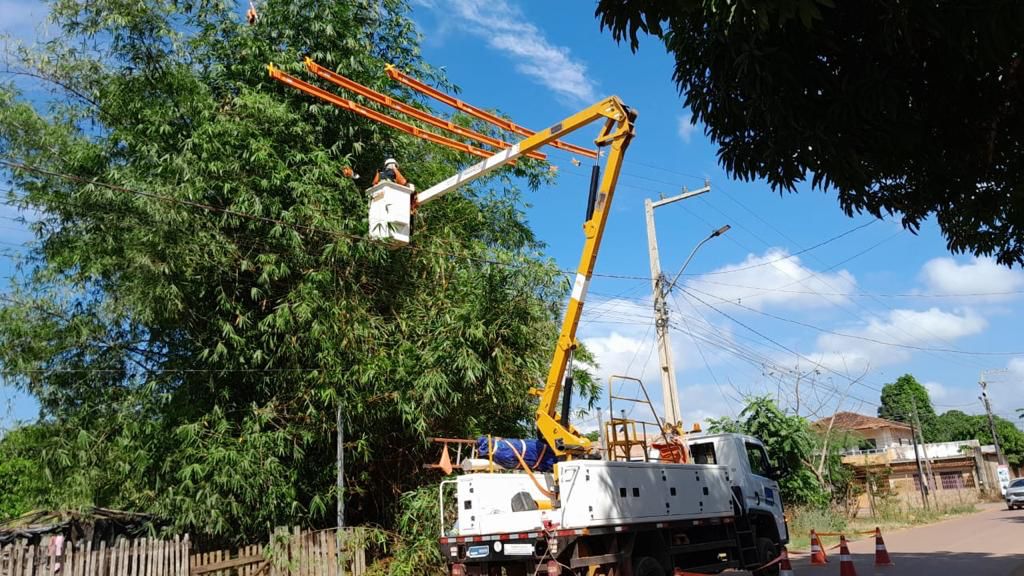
766, 552
647, 566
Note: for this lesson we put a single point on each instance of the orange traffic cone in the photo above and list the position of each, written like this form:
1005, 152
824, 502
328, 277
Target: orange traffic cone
818, 557
846, 567
881, 554
785, 568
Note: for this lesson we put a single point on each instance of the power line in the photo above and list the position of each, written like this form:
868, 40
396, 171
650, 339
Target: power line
853, 336
825, 282
774, 342
863, 294
967, 361
20, 372
700, 351
788, 256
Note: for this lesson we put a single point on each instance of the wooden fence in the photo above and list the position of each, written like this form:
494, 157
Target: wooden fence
290, 552
128, 557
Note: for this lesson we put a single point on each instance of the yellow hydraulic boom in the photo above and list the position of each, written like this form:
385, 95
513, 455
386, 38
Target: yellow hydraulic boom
615, 135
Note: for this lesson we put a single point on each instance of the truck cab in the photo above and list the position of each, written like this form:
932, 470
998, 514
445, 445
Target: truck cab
754, 480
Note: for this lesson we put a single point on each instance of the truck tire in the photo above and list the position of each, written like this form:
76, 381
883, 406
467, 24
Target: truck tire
766, 552
647, 566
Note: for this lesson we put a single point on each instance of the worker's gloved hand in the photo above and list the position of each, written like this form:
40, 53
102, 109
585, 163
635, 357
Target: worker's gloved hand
412, 186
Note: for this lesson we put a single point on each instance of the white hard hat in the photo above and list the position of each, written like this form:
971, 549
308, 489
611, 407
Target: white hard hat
390, 161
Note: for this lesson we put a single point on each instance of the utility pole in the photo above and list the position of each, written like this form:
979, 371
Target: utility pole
924, 446
988, 411
340, 459
660, 287
920, 469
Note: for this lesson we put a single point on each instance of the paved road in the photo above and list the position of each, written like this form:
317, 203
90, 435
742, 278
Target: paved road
989, 543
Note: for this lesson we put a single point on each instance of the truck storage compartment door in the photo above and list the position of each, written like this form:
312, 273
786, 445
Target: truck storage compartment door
604, 493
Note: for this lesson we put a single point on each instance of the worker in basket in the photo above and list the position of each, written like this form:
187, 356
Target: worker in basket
391, 173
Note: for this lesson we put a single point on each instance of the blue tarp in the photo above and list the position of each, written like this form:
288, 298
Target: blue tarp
536, 453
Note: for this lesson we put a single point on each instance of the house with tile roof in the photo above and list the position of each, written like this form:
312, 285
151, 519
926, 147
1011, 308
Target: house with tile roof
885, 464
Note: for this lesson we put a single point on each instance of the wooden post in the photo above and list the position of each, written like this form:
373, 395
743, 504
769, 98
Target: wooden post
82, 554
122, 553
140, 555
101, 559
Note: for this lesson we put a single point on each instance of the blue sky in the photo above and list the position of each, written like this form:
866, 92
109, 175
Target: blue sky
794, 287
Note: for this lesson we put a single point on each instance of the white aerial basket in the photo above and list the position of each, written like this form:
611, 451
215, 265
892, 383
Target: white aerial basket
390, 213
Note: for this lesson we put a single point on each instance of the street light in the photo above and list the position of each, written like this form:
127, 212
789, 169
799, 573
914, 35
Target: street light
714, 234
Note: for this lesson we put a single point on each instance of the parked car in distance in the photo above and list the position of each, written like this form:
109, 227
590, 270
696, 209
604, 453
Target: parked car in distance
1015, 494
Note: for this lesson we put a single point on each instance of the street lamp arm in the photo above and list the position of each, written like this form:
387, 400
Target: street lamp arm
714, 234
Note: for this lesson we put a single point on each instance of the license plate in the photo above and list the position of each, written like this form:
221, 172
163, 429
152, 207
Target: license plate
477, 551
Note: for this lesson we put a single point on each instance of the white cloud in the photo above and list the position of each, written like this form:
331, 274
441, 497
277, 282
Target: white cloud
620, 334
1016, 367
870, 344
772, 279
699, 402
936, 391
505, 29
979, 276
685, 127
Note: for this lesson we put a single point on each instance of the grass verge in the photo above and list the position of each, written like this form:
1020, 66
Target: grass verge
803, 519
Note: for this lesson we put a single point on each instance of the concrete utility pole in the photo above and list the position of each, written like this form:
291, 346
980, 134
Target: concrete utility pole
924, 445
923, 485
988, 410
661, 288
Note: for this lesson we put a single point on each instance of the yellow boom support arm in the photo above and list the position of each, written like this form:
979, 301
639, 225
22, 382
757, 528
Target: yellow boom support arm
616, 135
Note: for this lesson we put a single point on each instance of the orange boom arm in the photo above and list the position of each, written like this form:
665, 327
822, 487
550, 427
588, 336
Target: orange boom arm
384, 100
479, 112
343, 103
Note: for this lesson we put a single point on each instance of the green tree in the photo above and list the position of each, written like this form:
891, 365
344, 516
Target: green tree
899, 400
955, 425
858, 96
792, 446
23, 484
200, 297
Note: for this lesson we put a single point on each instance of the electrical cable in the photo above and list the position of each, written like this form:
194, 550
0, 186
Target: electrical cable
854, 336
769, 339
